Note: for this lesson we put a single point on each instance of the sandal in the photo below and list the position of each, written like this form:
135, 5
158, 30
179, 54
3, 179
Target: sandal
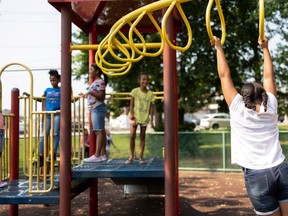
141, 161
129, 161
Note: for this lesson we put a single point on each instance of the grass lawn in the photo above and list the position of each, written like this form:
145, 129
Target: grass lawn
210, 150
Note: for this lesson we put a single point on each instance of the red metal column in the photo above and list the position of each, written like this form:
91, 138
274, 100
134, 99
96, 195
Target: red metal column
65, 119
93, 199
14, 136
171, 124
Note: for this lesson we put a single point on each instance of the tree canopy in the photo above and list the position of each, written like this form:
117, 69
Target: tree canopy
197, 73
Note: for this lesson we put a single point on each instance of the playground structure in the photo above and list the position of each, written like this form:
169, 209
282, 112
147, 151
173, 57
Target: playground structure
132, 54
43, 182
34, 120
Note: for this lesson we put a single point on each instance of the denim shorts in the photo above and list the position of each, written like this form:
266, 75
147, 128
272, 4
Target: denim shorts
267, 187
98, 117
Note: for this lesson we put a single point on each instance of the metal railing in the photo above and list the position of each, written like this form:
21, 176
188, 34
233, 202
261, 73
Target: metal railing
5, 154
41, 178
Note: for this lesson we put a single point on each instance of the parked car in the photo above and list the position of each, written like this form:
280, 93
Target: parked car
22, 128
281, 117
195, 120
215, 121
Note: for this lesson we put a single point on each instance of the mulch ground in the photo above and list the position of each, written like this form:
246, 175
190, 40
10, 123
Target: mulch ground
200, 193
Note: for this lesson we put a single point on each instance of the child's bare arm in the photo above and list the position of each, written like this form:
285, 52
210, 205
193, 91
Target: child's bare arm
152, 115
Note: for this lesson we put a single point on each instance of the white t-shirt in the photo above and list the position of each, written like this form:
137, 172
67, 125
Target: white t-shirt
254, 135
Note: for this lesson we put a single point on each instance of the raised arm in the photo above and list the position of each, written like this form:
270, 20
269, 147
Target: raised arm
268, 72
151, 111
227, 85
132, 106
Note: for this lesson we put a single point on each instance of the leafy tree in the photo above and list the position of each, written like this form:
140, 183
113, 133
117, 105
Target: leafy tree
197, 73
80, 59
278, 16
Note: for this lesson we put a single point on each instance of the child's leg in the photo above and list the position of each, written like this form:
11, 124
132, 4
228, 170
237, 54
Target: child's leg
133, 129
104, 141
100, 142
56, 133
2, 140
142, 141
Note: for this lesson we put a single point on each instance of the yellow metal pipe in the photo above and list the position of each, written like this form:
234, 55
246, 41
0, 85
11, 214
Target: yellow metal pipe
30, 119
96, 46
261, 19
208, 23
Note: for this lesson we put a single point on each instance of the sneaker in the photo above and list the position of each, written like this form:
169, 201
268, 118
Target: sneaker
93, 159
129, 161
3, 184
104, 157
141, 161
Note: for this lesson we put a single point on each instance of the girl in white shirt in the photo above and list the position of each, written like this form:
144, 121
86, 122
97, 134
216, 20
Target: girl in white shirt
255, 137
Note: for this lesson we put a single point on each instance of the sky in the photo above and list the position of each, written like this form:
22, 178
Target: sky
30, 35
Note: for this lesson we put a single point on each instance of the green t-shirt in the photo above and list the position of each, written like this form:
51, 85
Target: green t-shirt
142, 102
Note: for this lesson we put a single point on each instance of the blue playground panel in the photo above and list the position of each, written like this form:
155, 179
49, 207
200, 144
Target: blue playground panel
117, 168
16, 192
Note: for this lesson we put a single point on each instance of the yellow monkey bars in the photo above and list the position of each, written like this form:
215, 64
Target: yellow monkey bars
129, 52
125, 51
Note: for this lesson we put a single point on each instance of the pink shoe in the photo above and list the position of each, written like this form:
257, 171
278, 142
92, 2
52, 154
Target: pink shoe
3, 184
93, 159
104, 157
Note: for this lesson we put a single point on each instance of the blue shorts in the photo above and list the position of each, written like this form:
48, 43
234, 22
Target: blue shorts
267, 187
98, 117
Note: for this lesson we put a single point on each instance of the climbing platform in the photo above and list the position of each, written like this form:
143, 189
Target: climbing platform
117, 168
16, 192
151, 172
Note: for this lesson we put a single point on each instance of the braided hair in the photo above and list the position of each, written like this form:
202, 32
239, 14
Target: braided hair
252, 94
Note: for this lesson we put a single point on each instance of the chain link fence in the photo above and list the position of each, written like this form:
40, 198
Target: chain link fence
196, 150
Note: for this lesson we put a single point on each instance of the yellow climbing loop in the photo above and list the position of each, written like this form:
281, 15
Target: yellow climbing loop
208, 22
125, 51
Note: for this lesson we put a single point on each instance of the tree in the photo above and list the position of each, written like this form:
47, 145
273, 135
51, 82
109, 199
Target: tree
80, 59
197, 73
278, 16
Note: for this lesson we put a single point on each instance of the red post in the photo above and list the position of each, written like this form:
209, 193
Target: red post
171, 124
14, 137
93, 198
65, 115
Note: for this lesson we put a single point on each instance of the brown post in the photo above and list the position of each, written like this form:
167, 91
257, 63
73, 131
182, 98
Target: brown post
14, 136
171, 124
65, 119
